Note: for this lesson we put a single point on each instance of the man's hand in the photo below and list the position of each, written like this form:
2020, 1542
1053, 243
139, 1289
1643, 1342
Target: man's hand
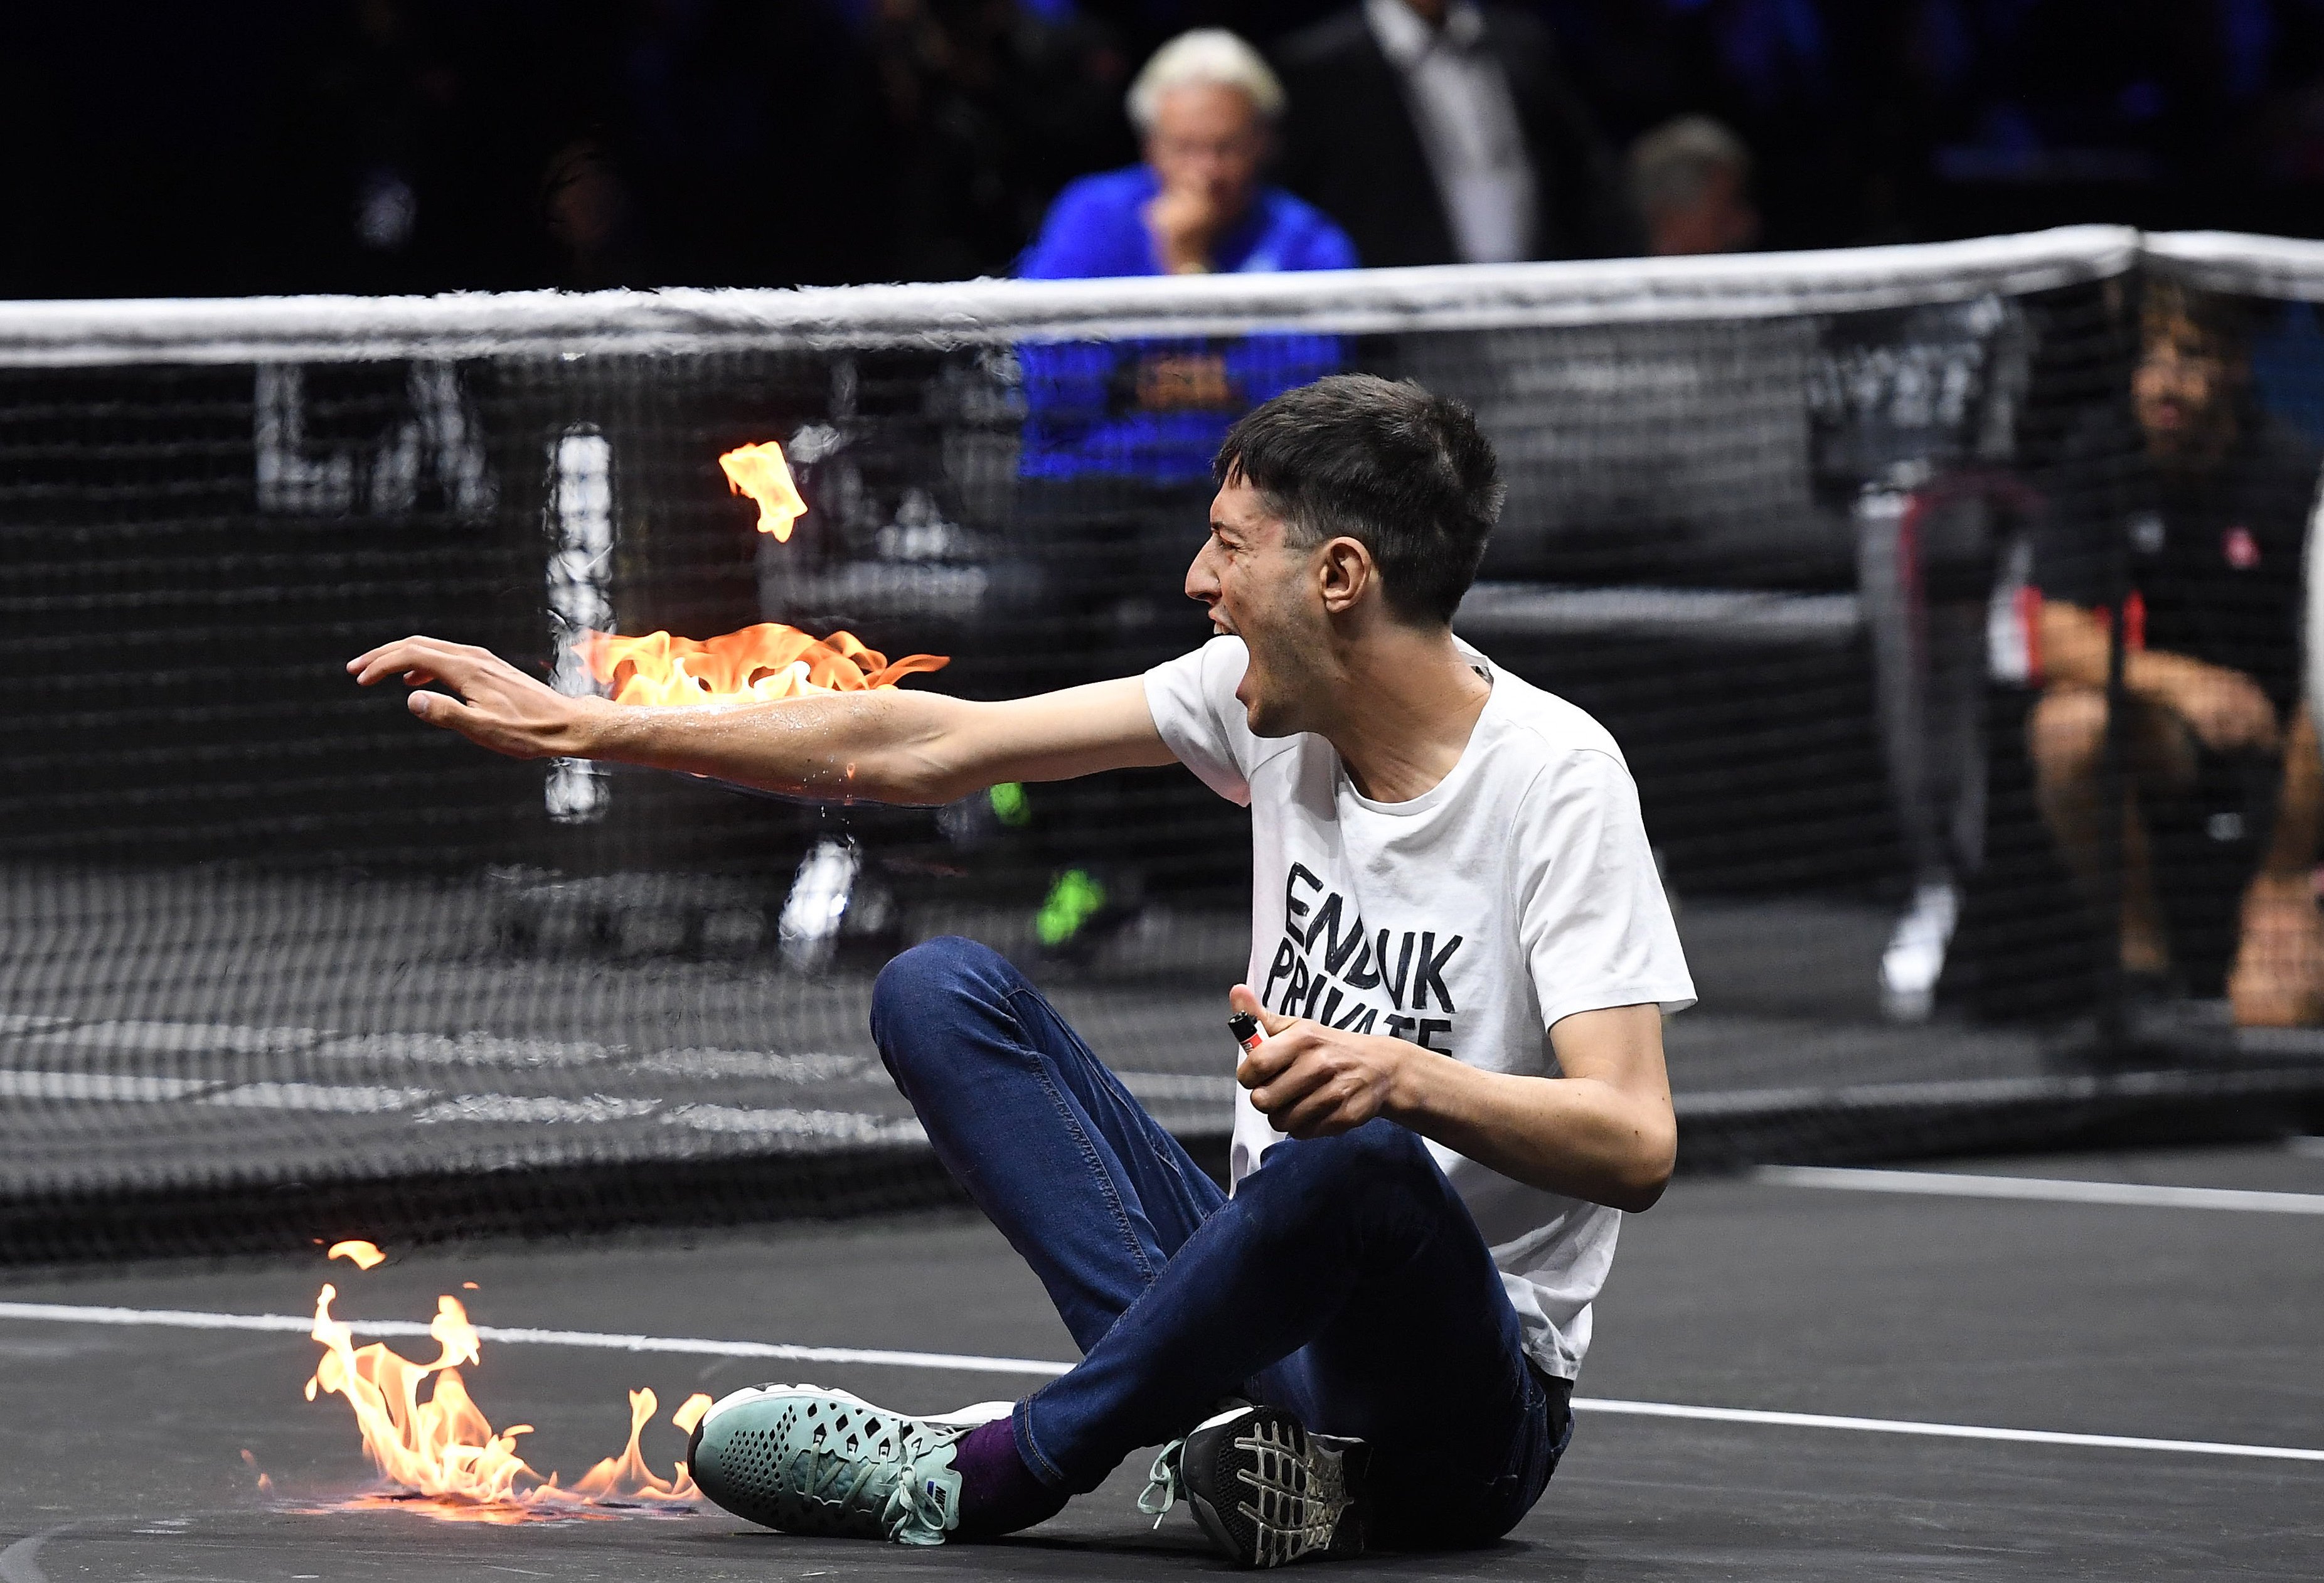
498, 706
1185, 222
1316, 1082
1194, 382
2226, 709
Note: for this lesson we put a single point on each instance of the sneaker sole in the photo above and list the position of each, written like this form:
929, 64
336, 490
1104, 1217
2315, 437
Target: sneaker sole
1267, 1493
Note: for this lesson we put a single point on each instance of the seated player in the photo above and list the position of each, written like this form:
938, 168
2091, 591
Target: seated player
2218, 517
1461, 956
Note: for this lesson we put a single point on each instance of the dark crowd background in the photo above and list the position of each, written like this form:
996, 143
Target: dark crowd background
424, 145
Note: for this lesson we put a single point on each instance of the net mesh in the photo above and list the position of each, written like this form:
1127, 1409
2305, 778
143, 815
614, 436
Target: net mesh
278, 961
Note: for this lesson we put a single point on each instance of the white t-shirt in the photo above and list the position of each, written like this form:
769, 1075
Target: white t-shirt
1518, 890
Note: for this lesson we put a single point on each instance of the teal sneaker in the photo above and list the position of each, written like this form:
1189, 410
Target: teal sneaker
809, 1460
1265, 1490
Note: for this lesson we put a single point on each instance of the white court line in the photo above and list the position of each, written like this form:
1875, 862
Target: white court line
1956, 1432
300, 1324
1947, 1184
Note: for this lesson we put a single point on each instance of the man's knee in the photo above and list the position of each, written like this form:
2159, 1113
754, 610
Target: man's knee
2066, 734
915, 985
1378, 1158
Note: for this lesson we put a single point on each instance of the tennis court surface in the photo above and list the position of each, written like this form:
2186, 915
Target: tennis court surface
1983, 1297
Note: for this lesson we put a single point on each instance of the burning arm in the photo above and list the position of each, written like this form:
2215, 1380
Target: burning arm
880, 745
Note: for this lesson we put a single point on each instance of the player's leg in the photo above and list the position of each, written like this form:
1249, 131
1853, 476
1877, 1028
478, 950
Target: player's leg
1084, 1185
1346, 1283
2066, 737
1089, 1190
2278, 977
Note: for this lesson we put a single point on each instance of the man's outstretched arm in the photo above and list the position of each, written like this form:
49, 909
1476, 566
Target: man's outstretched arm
885, 746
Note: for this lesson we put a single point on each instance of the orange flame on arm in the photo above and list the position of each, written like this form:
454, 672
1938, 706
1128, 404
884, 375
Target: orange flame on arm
758, 664
760, 471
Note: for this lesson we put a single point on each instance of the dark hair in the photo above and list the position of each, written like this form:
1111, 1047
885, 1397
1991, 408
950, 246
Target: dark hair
2228, 323
1407, 475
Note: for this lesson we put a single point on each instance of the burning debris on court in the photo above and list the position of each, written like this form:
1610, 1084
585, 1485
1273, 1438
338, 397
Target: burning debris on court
438, 1454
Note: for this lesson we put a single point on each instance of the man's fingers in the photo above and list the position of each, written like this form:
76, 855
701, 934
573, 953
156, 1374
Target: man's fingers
1283, 1092
428, 658
1327, 1107
1317, 1115
1276, 1055
1264, 1064
437, 709
1242, 999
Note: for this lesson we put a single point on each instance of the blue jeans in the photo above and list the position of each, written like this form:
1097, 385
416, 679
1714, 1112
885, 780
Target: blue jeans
1346, 1281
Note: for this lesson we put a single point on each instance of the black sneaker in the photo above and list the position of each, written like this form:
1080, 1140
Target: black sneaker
1265, 1490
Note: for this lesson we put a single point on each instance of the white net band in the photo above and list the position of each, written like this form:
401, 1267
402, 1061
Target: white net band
545, 324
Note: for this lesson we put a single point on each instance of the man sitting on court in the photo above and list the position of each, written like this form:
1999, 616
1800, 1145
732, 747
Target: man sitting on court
1461, 956
2212, 549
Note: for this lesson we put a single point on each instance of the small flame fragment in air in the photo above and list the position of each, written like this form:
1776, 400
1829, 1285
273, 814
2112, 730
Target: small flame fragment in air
758, 664
361, 1255
760, 471
438, 1454
266, 1484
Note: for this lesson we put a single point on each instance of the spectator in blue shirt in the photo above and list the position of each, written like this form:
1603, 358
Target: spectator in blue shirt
1114, 471
1205, 107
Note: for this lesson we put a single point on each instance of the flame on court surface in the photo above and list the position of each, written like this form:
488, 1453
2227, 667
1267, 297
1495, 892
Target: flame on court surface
361, 1253
439, 1455
758, 664
760, 471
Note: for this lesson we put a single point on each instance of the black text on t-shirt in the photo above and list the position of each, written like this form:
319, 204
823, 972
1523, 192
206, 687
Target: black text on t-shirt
1329, 963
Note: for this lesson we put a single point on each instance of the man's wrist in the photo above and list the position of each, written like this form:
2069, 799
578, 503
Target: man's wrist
590, 730
1410, 1067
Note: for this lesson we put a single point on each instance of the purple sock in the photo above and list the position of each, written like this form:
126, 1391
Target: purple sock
997, 1493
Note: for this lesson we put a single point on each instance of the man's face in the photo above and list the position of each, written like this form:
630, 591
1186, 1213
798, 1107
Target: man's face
1263, 590
1721, 219
2183, 392
1208, 139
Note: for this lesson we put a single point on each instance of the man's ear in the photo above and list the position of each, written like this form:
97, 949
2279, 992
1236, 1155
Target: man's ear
1345, 573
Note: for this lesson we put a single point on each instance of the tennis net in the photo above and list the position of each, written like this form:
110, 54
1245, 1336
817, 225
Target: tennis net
280, 961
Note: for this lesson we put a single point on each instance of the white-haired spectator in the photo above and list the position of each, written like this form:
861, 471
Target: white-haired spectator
1691, 181
1205, 105
1205, 108
1208, 57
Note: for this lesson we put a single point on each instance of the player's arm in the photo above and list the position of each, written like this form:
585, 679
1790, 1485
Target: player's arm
2227, 708
1603, 1131
886, 745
